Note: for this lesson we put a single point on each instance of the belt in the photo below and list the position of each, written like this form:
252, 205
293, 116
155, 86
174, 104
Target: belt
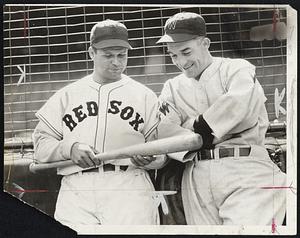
223, 152
106, 168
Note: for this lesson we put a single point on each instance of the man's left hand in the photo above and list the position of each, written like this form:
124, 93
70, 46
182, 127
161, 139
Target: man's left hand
141, 161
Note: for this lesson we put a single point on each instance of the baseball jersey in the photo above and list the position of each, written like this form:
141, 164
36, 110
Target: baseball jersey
104, 116
227, 94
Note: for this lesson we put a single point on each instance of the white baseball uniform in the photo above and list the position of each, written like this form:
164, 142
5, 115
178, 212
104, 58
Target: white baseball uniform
230, 190
106, 117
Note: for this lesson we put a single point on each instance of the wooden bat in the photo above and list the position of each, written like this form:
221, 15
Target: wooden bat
157, 147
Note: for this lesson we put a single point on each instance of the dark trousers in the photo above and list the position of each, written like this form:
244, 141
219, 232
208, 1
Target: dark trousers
169, 179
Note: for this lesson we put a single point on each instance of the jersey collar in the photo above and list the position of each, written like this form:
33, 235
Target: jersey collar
124, 79
211, 69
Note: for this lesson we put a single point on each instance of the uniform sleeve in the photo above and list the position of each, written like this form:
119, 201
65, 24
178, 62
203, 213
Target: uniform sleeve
49, 142
51, 113
238, 109
170, 120
48, 147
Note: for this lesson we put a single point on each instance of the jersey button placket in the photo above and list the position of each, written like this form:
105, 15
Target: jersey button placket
101, 129
201, 101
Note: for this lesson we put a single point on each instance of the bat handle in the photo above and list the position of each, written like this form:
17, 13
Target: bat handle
35, 167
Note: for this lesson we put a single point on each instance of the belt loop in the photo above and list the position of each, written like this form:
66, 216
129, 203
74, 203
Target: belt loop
197, 157
216, 153
236, 152
117, 168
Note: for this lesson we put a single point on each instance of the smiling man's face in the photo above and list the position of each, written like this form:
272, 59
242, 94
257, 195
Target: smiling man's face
190, 56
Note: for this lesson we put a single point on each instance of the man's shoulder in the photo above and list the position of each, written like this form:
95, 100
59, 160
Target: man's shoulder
75, 86
139, 87
233, 65
236, 63
131, 82
80, 82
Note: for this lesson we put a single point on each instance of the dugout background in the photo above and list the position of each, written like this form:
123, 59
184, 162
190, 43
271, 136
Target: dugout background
51, 43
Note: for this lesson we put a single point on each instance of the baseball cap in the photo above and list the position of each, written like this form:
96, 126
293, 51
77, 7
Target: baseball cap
109, 33
183, 26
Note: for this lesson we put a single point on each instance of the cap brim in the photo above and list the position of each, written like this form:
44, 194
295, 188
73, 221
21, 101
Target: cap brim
173, 38
112, 43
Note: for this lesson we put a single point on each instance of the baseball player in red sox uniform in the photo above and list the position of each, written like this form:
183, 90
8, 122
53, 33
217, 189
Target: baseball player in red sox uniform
106, 110
224, 183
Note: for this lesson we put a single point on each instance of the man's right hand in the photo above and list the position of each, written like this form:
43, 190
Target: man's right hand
84, 158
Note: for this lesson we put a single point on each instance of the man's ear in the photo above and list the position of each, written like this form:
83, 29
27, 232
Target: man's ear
91, 52
206, 42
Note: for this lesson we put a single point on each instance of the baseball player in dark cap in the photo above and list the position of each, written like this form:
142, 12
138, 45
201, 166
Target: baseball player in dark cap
103, 111
220, 99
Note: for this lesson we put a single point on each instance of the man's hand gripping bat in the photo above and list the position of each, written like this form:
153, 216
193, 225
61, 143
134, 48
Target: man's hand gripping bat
157, 147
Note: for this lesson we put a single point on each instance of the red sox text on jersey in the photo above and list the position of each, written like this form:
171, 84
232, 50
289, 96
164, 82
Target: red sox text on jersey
91, 108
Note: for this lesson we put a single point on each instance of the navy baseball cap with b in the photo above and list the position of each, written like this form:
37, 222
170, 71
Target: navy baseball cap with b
109, 33
183, 26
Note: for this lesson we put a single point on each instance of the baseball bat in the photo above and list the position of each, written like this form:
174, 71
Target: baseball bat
157, 147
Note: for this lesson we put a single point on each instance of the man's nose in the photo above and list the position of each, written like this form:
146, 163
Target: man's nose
115, 60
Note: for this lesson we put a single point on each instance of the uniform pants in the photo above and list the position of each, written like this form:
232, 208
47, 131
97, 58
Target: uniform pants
234, 191
106, 198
